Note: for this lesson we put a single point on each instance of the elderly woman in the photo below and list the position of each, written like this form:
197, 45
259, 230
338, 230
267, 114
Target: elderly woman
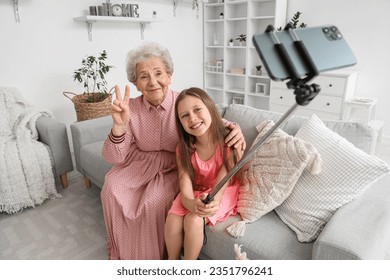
141, 186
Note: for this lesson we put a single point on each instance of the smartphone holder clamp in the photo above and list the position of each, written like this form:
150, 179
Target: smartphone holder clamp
303, 92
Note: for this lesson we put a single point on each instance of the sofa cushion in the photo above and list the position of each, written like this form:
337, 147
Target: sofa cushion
274, 169
367, 219
247, 118
361, 135
93, 163
267, 238
347, 172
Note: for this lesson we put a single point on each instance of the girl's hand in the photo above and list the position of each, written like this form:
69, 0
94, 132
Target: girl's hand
207, 210
120, 111
193, 205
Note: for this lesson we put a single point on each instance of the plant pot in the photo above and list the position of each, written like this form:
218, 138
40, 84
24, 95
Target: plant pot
89, 110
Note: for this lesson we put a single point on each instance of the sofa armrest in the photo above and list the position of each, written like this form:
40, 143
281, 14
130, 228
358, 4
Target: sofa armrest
54, 135
359, 229
87, 132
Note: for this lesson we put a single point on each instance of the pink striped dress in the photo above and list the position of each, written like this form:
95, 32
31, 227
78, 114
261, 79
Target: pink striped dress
139, 189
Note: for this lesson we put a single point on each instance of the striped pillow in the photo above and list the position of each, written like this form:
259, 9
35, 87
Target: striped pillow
346, 173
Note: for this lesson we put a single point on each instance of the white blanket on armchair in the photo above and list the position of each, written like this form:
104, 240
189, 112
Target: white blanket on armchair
26, 176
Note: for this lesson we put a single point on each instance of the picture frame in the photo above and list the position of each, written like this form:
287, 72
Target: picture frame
261, 88
237, 100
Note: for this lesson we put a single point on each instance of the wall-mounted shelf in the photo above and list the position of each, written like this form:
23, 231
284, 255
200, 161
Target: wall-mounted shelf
90, 20
175, 3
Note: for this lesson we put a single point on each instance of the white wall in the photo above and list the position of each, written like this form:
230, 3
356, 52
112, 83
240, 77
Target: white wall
365, 25
39, 54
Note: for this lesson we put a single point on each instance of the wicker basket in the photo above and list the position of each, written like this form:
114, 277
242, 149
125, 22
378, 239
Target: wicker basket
86, 110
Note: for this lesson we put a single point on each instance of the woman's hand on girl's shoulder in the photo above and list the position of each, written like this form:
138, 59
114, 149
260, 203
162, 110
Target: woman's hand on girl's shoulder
235, 138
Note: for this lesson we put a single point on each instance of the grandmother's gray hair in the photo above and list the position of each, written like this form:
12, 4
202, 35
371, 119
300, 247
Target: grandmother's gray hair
144, 52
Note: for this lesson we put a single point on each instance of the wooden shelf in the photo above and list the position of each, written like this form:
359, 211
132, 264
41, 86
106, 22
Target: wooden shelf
90, 20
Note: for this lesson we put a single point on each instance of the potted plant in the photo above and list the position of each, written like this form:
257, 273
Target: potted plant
221, 15
231, 42
294, 21
95, 101
242, 39
195, 6
258, 70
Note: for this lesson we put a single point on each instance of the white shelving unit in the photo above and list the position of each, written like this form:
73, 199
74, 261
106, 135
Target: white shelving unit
90, 20
247, 17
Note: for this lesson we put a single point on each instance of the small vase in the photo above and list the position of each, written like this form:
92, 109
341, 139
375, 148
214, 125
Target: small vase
215, 39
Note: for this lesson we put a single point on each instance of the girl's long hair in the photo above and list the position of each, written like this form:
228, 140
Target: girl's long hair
218, 132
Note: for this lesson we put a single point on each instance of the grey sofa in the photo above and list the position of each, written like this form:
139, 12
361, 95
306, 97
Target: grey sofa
358, 230
53, 135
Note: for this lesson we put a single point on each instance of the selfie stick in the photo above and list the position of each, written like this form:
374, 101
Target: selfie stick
303, 95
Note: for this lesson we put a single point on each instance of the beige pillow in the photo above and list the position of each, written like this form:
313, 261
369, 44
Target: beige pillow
273, 171
346, 173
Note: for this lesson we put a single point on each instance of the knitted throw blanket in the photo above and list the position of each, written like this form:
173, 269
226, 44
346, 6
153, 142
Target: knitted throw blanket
26, 176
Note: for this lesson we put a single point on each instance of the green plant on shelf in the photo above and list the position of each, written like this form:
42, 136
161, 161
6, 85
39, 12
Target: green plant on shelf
195, 6
241, 38
294, 21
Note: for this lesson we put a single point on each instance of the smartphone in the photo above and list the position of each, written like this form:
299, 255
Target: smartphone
325, 44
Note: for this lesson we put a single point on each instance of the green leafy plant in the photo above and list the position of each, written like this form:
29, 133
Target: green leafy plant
258, 67
241, 38
92, 75
195, 6
294, 21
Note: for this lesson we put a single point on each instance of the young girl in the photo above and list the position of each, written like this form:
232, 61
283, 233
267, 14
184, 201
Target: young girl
203, 160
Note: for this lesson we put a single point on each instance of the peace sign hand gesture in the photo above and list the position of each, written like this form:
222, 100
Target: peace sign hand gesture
120, 111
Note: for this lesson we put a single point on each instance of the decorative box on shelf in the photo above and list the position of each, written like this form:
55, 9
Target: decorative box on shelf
237, 71
214, 66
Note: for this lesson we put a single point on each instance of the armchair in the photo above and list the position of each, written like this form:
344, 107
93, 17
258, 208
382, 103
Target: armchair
34, 149
53, 134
